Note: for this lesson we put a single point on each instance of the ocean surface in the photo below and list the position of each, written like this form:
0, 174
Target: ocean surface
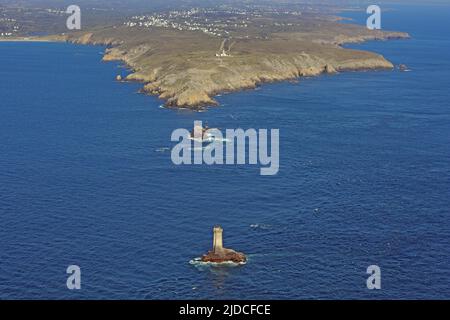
86, 178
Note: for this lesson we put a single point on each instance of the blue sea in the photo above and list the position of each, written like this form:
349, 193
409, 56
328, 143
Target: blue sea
86, 179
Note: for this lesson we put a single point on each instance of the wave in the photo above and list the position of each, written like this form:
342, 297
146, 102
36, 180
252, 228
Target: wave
197, 262
164, 149
260, 226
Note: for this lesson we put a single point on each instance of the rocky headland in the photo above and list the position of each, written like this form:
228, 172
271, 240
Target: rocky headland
187, 68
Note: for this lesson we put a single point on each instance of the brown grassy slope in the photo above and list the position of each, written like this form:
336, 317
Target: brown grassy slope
181, 67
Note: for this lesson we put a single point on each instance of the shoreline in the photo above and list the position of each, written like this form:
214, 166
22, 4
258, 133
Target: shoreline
27, 39
152, 88
201, 106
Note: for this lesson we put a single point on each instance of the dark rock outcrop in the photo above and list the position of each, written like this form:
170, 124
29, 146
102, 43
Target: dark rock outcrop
227, 255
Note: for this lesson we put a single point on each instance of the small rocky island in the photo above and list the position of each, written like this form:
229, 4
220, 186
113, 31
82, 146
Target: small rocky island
403, 68
219, 254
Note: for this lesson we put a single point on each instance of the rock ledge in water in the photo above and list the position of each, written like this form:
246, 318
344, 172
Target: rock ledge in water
227, 255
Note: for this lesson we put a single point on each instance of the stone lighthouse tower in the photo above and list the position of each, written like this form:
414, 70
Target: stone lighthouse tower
219, 254
218, 240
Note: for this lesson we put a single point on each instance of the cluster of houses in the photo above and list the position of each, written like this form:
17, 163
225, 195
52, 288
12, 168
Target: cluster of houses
155, 21
219, 22
189, 21
56, 11
8, 22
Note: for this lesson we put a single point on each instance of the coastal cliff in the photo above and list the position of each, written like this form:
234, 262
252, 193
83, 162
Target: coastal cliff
185, 70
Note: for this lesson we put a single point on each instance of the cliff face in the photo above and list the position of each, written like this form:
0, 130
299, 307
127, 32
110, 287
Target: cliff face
183, 69
195, 86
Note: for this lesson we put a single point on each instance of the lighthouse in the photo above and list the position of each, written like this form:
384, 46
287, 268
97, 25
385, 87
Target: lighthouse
219, 254
218, 239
